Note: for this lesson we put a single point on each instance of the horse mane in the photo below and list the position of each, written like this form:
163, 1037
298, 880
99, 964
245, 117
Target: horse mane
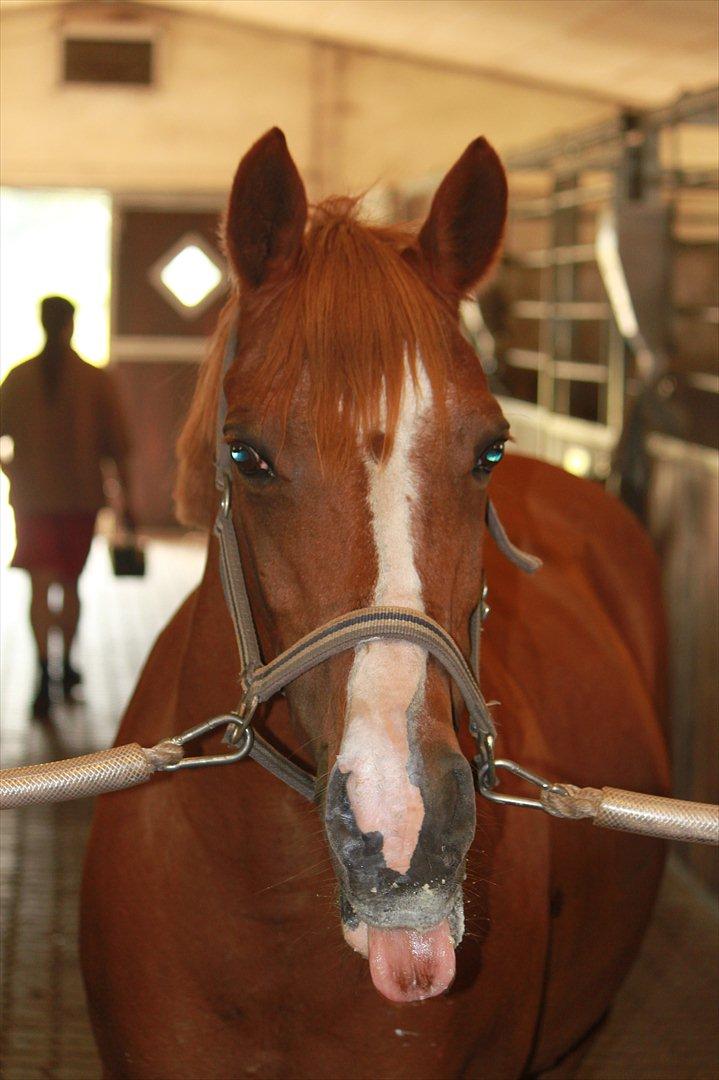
353, 316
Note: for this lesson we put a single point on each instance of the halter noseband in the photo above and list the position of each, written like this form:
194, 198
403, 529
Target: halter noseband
261, 681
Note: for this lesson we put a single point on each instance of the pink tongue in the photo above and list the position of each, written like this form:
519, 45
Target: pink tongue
410, 965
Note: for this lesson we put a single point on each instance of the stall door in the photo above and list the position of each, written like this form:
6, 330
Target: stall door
169, 284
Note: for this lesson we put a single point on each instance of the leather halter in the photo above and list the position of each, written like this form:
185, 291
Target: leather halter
261, 681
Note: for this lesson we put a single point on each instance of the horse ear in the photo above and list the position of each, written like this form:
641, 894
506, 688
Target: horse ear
462, 236
267, 213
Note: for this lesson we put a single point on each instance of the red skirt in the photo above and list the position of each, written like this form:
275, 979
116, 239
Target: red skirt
56, 543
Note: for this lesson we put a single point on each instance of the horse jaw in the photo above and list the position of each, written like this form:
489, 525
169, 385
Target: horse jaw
407, 963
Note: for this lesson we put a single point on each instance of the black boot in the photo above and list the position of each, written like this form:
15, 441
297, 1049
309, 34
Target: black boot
41, 703
71, 677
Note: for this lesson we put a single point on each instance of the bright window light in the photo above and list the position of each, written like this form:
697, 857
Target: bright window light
191, 276
615, 282
577, 460
54, 243
51, 243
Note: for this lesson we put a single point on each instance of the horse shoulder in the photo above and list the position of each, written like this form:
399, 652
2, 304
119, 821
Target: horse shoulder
573, 524
137, 860
149, 716
577, 656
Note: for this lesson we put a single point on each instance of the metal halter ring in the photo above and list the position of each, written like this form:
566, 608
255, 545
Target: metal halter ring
486, 770
243, 714
485, 608
238, 724
226, 497
484, 759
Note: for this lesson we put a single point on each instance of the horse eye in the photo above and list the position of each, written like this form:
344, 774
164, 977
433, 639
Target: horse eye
489, 458
249, 462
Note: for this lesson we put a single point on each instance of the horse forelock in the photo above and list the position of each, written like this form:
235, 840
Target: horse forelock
347, 323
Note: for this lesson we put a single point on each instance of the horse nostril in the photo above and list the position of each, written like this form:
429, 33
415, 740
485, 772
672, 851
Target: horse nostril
349, 844
435, 862
449, 827
372, 843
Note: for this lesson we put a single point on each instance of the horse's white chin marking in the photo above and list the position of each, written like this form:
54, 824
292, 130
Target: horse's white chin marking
388, 677
357, 938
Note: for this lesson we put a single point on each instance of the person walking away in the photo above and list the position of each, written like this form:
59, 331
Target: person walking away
64, 420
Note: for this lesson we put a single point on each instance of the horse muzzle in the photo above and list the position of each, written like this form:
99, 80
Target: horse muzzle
407, 924
432, 863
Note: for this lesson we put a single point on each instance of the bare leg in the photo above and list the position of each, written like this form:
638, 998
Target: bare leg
41, 618
70, 615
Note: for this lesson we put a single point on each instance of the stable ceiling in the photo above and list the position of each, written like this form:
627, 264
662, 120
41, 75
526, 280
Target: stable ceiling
636, 52
377, 91
633, 52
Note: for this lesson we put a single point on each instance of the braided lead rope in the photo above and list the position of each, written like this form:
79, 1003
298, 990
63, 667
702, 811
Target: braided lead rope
611, 808
92, 774
629, 811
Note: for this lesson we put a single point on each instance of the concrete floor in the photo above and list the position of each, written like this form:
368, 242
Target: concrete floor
45, 1028
663, 1026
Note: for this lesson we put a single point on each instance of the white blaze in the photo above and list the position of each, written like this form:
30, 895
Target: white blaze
388, 677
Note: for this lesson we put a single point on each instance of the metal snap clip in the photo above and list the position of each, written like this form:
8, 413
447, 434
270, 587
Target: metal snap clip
232, 720
486, 776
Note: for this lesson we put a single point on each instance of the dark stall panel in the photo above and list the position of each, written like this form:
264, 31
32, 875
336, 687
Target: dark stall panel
169, 284
155, 396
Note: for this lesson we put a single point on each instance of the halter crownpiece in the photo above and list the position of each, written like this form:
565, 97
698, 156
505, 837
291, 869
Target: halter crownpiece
261, 681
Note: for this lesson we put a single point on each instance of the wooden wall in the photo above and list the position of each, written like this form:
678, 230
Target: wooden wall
156, 345
352, 117
155, 396
684, 522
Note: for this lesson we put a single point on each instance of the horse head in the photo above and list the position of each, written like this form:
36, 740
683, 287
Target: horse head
363, 436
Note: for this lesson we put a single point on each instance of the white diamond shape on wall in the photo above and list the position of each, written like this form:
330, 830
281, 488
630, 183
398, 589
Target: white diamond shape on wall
188, 275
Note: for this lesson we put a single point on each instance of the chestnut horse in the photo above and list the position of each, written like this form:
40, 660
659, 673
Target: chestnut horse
363, 436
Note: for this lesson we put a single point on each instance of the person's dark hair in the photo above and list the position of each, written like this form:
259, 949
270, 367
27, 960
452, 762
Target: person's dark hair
56, 314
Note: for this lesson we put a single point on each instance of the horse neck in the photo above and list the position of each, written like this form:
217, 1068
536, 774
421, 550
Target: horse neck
206, 661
